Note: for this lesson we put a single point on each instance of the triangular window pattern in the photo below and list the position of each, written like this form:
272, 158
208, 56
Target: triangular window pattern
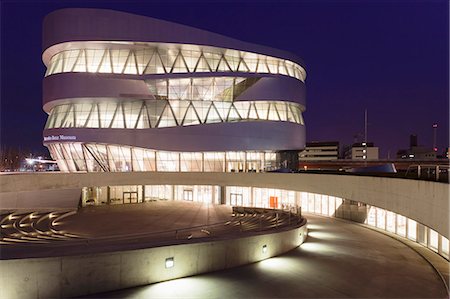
242, 108
263, 109
105, 65
143, 58
213, 60
262, 66
80, 65
70, 57
179, 66
281, 107
273, 114
302, 121
93, 118
243, 66
202, 65
223, 108
202, 108
69, 119
202, 89
167, 118
180, 89
223, 65
93, 58
191, 117
179, 109
154, 110
191, 59
131, 112
131, 66
143, 121
213, 115
282, 68
252, 114
107, 111
58, 64
119, 58
290, 115
233, 114
60, 113
155, 66
118, 120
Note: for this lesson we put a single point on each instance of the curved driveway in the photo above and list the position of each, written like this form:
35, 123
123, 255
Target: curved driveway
338, 260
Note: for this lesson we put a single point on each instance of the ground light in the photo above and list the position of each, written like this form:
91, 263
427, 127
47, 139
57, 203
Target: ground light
169, 262
264, 249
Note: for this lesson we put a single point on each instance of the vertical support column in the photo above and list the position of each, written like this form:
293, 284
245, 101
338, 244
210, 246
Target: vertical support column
203, 163
108, 194
439, 244
143, 193
173, 192
245, 163
223, 195
252, 204
225, 161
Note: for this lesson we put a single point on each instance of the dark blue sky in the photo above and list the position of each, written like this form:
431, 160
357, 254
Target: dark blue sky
390, 57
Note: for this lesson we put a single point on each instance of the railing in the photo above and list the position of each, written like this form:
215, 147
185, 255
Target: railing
436, 172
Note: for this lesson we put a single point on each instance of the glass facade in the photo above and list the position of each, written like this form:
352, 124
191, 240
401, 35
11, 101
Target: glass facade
143, 114
152, 58
320, 204
129, 194
92, 157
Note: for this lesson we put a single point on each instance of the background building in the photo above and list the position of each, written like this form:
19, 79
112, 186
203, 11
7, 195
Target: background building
320, 151
416, 152
361, 151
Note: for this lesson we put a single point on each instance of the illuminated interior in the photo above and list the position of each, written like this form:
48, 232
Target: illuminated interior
157, 58
320, 204
142, 114
92, 157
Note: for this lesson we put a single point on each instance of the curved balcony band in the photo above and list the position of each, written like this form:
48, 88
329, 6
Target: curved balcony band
117, 92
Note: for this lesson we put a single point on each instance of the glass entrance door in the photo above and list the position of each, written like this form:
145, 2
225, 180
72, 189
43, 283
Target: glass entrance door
188, 195
129, 197
236, 199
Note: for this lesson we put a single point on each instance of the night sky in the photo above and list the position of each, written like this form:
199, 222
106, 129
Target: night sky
390, 57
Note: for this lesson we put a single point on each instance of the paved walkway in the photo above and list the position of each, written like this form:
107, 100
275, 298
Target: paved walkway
338, 260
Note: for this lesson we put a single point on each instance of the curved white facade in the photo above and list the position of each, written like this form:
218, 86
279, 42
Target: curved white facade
174, 98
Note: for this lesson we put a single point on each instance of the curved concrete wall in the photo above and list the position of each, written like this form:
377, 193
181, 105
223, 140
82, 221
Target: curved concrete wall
423, 201
80, 275
232, 136
85, 24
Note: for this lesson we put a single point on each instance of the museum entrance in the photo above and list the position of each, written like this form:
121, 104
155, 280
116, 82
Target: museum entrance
129, 197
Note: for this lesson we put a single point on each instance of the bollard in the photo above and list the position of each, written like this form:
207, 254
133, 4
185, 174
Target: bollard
437, 172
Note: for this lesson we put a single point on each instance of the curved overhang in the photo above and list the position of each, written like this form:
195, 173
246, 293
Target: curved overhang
235, 136
101, 25
69, 87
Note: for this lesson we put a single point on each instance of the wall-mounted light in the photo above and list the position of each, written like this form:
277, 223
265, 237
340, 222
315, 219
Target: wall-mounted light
169, 262
264, 249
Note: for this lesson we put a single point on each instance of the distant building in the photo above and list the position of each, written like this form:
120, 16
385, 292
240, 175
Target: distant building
416, 152
320, 151
361, 151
